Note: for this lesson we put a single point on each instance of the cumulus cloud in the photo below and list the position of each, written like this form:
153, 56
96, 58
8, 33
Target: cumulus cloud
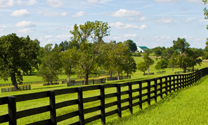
130, 35
164, 20
166, 1
48, 13
120, 25
6, 3
55, 3
97, 1
29, 2
25, 24
80, 13
125, 13
27, 30
20, 13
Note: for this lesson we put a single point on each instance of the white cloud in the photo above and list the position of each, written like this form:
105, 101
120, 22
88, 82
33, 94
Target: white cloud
55, 3
27, 30
29, 2
67, 28
130, 35
2, 28
142, 18
53, 39
166, 1
25, 24
20, 13
47, 13
97, 1
6, 3
125, 13
165, 20
80, 13
120, 25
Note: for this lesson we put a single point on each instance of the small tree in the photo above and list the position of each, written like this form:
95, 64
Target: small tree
172, 61
162, 64
148, 60
142, 66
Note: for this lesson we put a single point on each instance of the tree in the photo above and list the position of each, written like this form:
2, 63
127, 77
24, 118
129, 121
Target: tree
161, 64
158, 51
142, 66
196, 55
131, 44
148, 60
130, 66
16, 55
172, 61
181, 44
167, 53
51, 64
69, 61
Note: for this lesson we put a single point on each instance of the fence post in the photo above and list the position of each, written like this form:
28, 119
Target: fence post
166, 86
140, 95
161, 92
155, 80
80, 106
119, 100
12, 110
148, 92
102, 101
52, 108
170, 84
93, 81
130, 98
183, 81
180, 81
174, 83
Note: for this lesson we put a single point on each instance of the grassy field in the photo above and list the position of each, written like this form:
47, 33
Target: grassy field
184, 107
45, 101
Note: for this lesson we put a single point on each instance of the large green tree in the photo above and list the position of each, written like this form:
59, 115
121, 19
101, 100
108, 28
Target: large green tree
51, 64
131, 44
142, 66
148, 60
172, 61
17, 55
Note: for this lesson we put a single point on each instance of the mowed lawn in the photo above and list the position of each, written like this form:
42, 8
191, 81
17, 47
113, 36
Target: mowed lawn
185, 107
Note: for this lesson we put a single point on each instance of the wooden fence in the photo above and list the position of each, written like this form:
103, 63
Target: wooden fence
93, 81
150, 89
26, 87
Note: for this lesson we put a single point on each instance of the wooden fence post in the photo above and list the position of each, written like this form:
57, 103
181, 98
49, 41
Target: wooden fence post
170, 84
174, 83
180, 81
80, 106
102, 102
155, 80
148, 92
12, 110
166, 86
119, 100
140, 95
52, 108
183, 81
161, 92
130, 98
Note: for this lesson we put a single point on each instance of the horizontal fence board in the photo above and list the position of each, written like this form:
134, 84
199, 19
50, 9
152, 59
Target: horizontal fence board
110, 85
135, 90
93, 109
143, 88
135, 97
125, 92
110, 95
3, 100
125, 107
33, 111
124, 84
91, 88
67, 116
91, 99
31, 96
145, 94
66, 91
4, 118
110, 104
124, 100
66, 103
92, 119
111, 113
135, 103
75, 123
145, 100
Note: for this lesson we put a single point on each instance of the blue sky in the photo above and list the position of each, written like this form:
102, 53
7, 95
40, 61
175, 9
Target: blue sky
148, 23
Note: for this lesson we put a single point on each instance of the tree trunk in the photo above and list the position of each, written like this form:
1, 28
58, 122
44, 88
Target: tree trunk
148, 70
118, 76
127, 74
172, 68
30, 72
14, 81
111, 74
51, 82
68, 78
184, 70
86, 79
192, 68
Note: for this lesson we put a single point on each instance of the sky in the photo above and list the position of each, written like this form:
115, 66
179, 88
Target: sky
150, 23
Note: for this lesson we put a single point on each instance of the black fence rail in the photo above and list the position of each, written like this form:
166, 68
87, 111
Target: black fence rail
26, 87
46, 84
90, 82
147, 91
116, 78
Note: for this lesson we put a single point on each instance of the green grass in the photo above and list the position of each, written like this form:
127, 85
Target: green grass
184, 107
45, 101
